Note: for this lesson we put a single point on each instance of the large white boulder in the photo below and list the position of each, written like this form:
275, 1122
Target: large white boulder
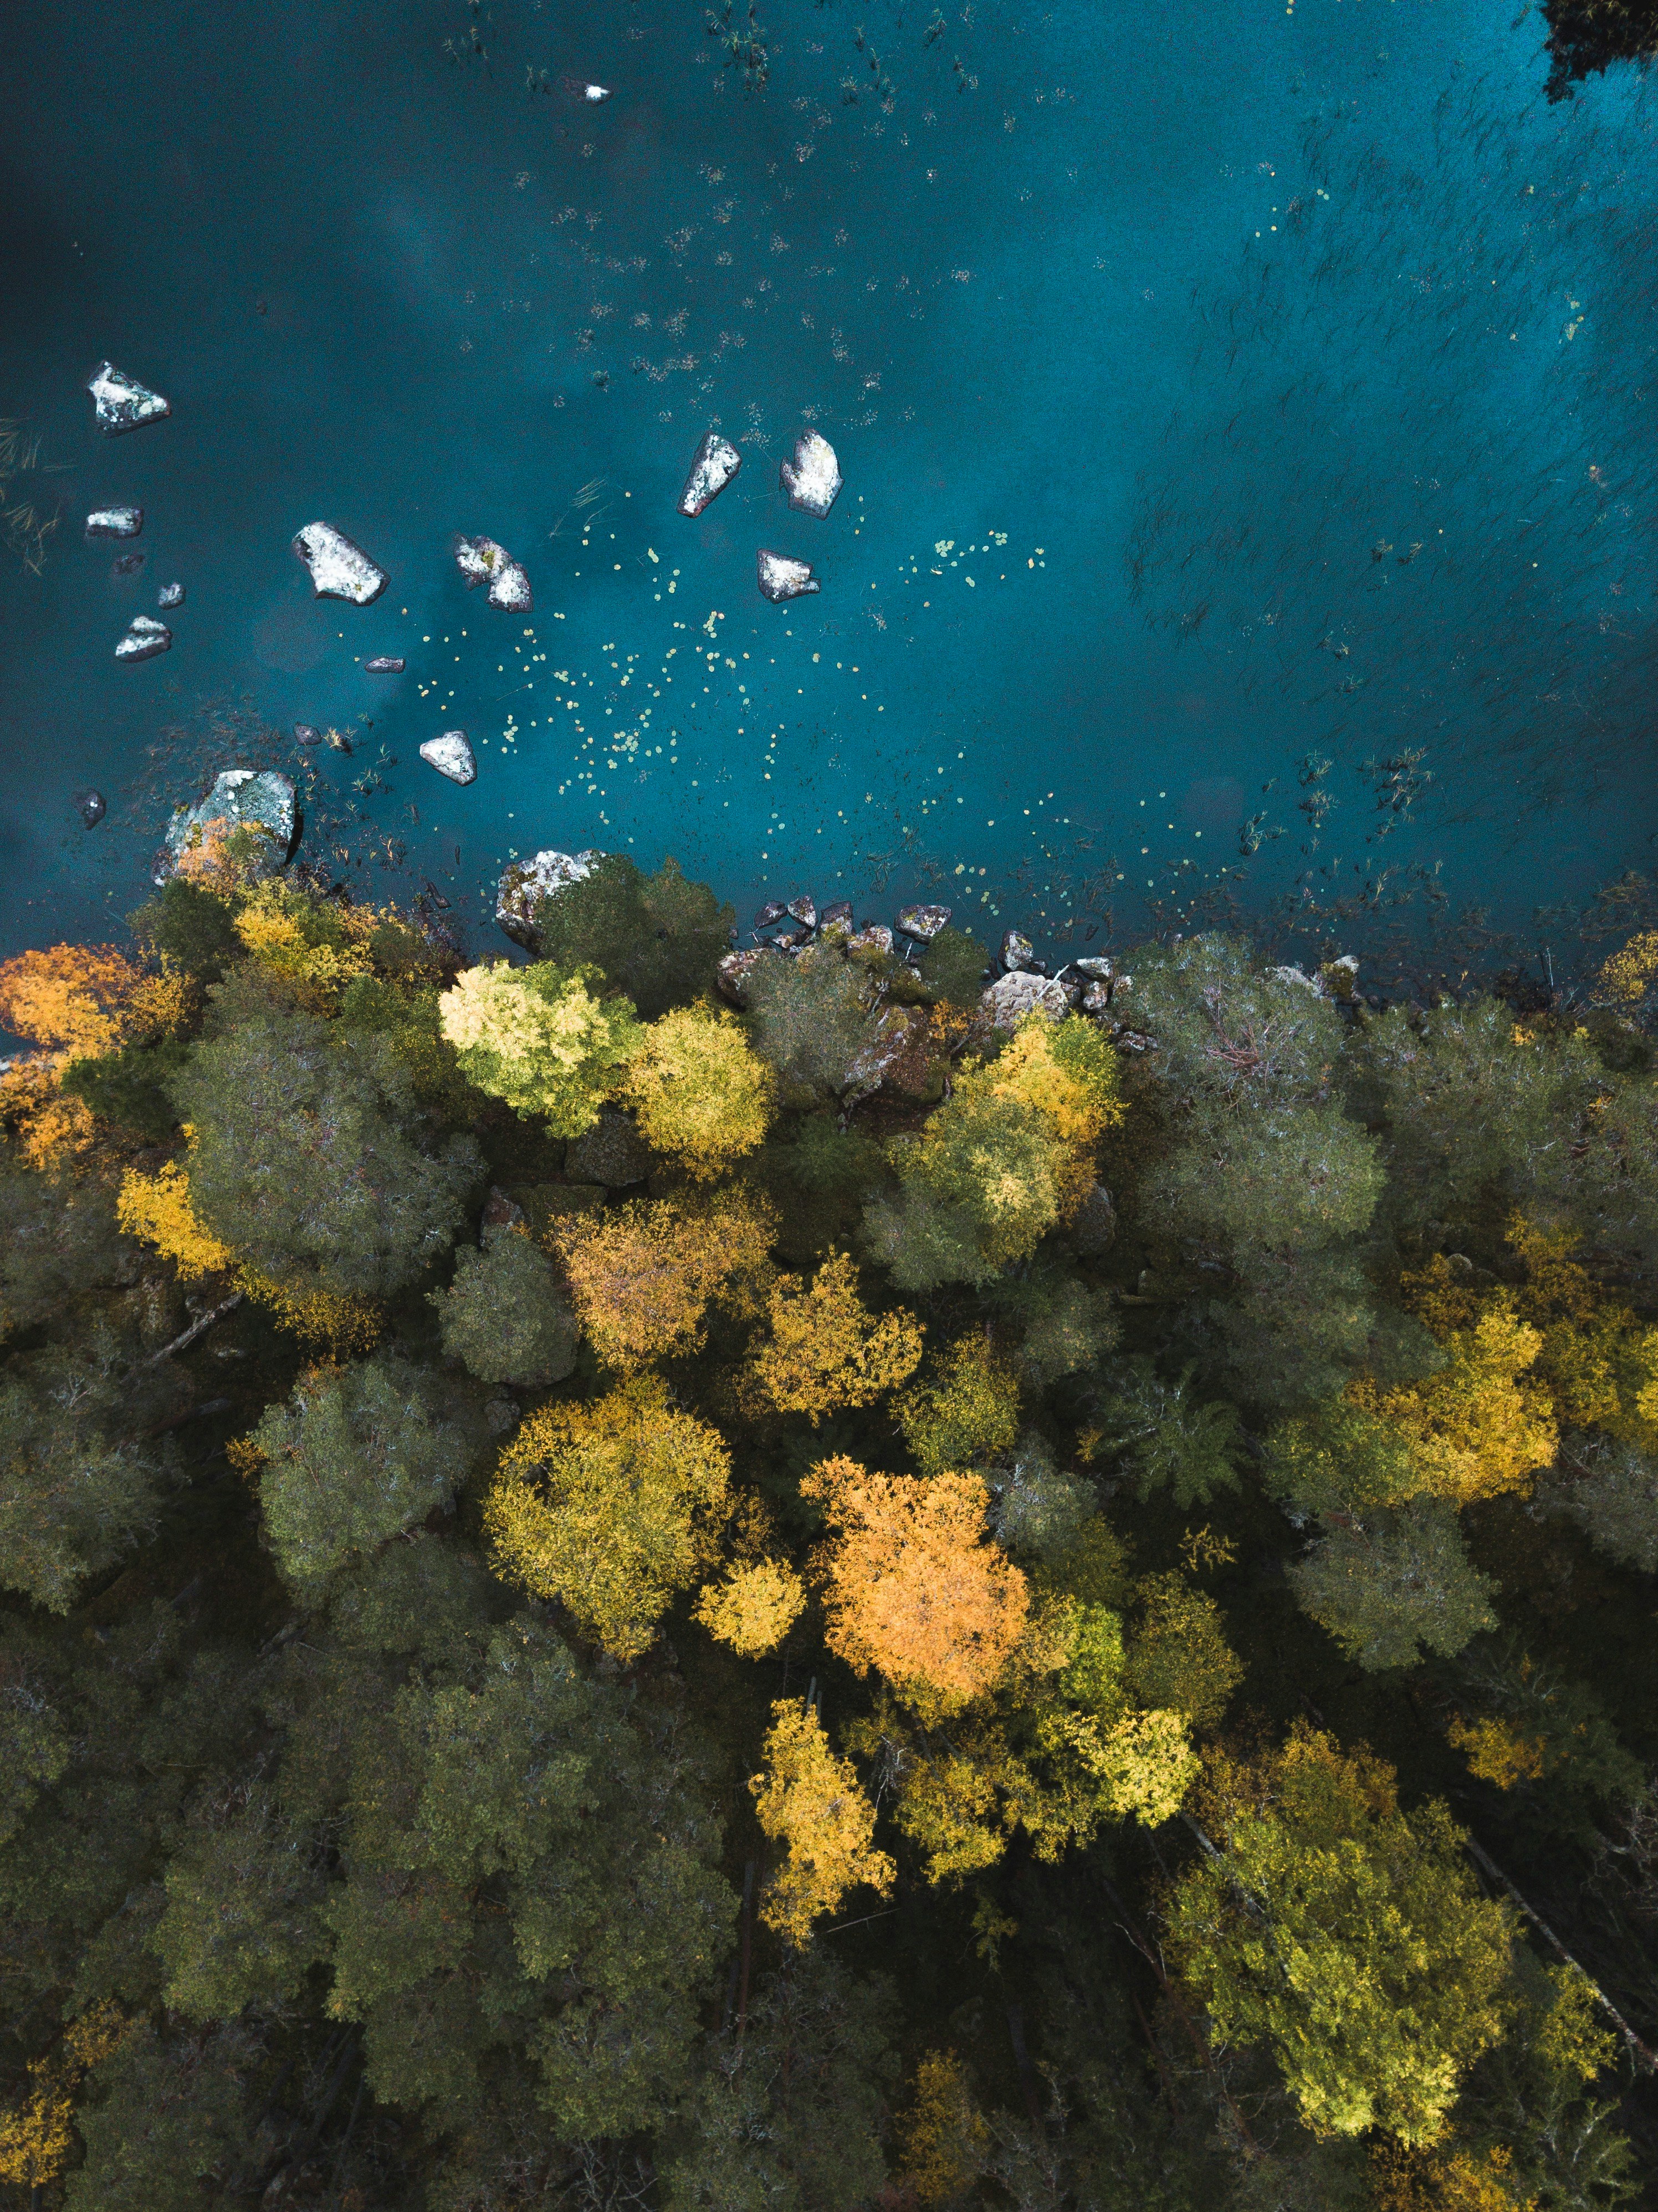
145, 637
122, 403
339, 569
525, 883
780, 578
241, 798
812, 479
714, 464
450, 755
481, 561
1010, 998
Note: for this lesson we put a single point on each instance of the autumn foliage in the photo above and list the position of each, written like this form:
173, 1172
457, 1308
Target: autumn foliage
913, 1584
826, 1350
701, 1092
642, 1276
611, 1508
810, 1801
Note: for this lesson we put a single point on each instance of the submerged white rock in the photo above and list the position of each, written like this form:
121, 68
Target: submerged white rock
714, 464
144, 639
450, 755
812, 479
481, 561
782, 578
595, 93
115, 521
525, 883
170, 595
122, 403
339, 569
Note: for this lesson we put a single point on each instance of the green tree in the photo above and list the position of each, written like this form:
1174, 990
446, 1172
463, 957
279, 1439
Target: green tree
1170, 1438
1347, 1936
790, 2118
1395, 1584
79, 1482
311, 1156
810, 1018
357, 1455
657, 938
506, 1315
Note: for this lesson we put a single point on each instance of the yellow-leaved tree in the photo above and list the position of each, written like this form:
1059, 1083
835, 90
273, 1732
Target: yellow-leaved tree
967, 1413
913, 1584
540, 1037
1480, 1425
642, 1275
753, 1606
811, 1802
825, 1350
611, 1508
701, 1092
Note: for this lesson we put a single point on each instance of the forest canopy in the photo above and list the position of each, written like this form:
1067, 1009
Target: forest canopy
629, 1588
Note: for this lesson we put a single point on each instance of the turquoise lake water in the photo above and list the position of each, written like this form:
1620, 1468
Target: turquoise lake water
1246, 415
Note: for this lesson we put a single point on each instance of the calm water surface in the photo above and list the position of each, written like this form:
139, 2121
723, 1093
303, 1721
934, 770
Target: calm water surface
1246, 417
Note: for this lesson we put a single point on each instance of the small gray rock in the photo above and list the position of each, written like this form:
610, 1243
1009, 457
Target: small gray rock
450, 755
732, 973
115, 522
803, 910
383, 664
481, 561
145, 638
611, 1153
781, 578
873, 942
773, 910
1093, 1228
837, 910
1009, 999
127, 564
170, 595
714, 464
306, 734
1097, 969
90, 804
1018, 953
923, 922
121, 402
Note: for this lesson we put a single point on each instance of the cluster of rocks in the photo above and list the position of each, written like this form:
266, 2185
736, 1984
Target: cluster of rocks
812, 480
120, 403
1016, 982
481, 561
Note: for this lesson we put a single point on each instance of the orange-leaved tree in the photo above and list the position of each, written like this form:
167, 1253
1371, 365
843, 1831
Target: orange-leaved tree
913, 1584
78, 1001
643, 1275
810, 1801
610, 1507
825, 1349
